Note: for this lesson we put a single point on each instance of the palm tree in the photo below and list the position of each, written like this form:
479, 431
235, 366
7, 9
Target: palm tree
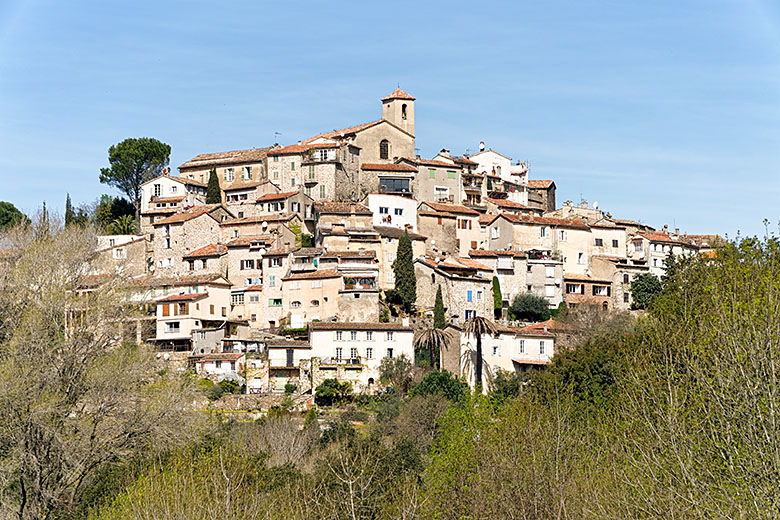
434, 339
477, 326
124, 225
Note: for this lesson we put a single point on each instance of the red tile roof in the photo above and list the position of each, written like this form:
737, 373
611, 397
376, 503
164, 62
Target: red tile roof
394, 232
468, 262
295, 149
388, 167
583, 278
343, 131
233, 157
489, 253
398, 94
441, 164
451, 208
459, 159
503, 203
277, 196
331, 325
284, 217
245, 241
188, 214
155, 200
315, 275
182, 297
209, 250
660, 236
540, 184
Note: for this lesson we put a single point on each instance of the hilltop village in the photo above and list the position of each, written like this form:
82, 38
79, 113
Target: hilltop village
285, 281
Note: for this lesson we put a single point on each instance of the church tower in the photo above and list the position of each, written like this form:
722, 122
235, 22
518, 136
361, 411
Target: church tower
398, 108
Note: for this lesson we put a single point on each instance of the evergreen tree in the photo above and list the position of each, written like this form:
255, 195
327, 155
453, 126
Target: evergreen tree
498, 301
439, 321
403, 269
69, 215
213, 193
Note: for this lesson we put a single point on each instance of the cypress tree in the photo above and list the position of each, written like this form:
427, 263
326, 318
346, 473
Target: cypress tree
69, 216
403, 268
498, 302
439, 320
213, 193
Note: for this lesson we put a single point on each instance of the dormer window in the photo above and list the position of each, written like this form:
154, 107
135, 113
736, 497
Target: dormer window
384, 149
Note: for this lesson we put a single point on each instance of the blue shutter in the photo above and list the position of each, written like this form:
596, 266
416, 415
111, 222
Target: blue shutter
468, 296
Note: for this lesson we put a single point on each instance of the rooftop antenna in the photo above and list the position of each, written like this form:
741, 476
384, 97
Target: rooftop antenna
276, 136
468, 151
416, 151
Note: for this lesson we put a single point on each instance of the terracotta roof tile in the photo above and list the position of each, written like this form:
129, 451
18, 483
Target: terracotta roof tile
394, 232
246, 241
330, 325
398, 94
188, 214
234, 157
503, 203
209, 250
182, 297
343, 131
442, 164
540, 184
388, 167
155, 200
468, 262
451, 208
583, 278
315, 275
350, 254
277, 196
295, 149
283, 217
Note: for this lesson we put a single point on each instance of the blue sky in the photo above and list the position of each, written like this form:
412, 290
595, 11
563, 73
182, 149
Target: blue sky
663, 111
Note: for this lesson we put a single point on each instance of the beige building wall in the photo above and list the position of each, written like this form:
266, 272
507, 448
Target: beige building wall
306, 299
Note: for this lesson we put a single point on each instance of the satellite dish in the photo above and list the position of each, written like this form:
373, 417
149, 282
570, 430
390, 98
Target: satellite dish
262, 251
166, 356
557, 281
265, 225
595, 204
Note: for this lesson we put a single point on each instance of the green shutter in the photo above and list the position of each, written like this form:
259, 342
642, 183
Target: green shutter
431, 173
451, 175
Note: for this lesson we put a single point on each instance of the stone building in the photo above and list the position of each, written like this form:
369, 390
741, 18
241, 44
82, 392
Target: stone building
467, 227
241, 199
122, 254
436, 181
584, 290
283, 228
308, 296
392, 210
245, 259
233, 168
541, 194
163, 196
655, 247
622, 272
183, 232
293, 202
466, 287
391, 179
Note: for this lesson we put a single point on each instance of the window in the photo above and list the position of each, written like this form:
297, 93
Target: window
615, 243
625, 297
384, 149
157, 190
218, 363
224, 312
470, 314
316, 284
253, 317
431, 173
549, 271
625, 278
253, 298
562, 236
172, 326
469, 296
174, 189
521, 346
322, 191
271, 281
353, 335
276, 158
247, 173
544, 232
167, 243
390, 277
580, 258
247, 264
599, 242
275, 302
120, 253
315, 303
451, 174
369, 336
294, 286
600, 290
541, 347
339, 353
211, 308
390, 352
403, 111
637, 246
496, 351
383, 210
292, 181
575, 288
295, 304
398, 211
276, 173
237, 299
229, 174
292, 165
369, 353
389, 336
339, 335
495, 233
479, 295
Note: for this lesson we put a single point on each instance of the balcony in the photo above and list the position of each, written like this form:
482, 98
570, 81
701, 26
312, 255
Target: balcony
297, 267
339, 361
395, 190
359, 284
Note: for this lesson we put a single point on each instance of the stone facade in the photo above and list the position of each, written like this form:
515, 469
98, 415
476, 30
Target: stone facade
233, 168
465, 293
184, 232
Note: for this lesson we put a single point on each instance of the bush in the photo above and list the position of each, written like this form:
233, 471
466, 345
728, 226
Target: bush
440, 382
644, 289
506, 385
289, 388
398, 372
204, 384
530, 307
332, 392
214, 392
230, 386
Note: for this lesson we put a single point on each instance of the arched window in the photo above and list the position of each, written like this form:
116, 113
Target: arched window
605, 306
403, 111
625, 278
295, 304
315, 303
384, 149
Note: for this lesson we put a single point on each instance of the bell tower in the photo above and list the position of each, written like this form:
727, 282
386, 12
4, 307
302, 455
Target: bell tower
398, 108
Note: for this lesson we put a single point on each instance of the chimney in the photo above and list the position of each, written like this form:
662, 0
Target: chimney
584, 204
676, 231
545, 327
666, 228
405, 321
444, 152
482, 146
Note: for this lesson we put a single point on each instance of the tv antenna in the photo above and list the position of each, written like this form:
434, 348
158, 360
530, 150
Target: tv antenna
276, 136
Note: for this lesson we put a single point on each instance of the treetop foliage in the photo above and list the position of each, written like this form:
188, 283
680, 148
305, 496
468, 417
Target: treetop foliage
403, 269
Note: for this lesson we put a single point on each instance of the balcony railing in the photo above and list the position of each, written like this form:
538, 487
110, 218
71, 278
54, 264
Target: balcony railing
339, 361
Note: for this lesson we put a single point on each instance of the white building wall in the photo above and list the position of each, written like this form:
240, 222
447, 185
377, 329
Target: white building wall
400, 211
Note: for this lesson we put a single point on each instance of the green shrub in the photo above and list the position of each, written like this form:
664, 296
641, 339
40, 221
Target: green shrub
530, 307
214, 392
289, 388
230, 386
441, 382
332, 392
